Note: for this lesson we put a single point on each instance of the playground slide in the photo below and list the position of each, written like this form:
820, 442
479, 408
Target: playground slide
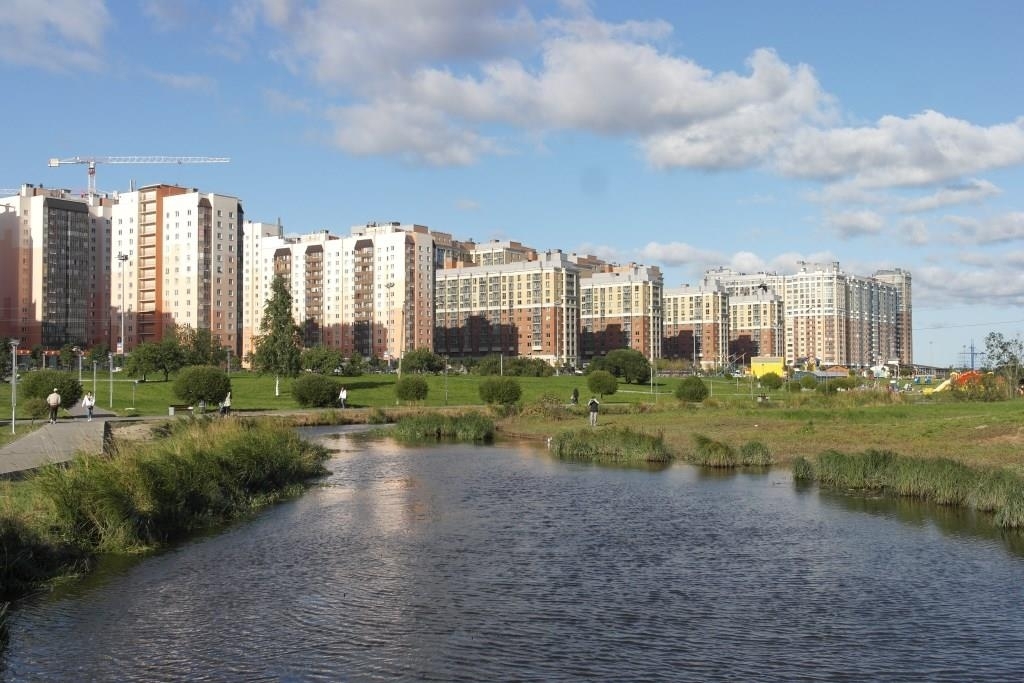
942, 387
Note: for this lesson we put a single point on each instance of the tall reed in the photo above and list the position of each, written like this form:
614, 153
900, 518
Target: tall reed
612, 446
425, 427
939, 480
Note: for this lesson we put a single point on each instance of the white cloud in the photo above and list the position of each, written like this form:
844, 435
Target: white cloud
914, 232
283, 102
922, 150
852, 224
969, 192
57, 35
467, 204
1007, 227
677, 254
1002, 284
416, 134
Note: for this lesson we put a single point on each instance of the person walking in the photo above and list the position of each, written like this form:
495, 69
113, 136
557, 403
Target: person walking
53, 402
575, 398
343, 397
593, 404
88, 401
225, 405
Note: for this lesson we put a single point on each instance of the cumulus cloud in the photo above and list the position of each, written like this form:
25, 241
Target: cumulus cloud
1000, 285
921, 150
1007, 227
467, 204
677, 254
850, 224
58, 35
969, 192
914, 232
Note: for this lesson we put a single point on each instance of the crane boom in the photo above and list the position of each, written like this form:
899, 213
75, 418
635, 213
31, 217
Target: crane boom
92, 161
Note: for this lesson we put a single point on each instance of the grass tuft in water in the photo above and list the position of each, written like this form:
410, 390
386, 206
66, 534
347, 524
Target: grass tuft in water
939, 480
473, 427
610, 446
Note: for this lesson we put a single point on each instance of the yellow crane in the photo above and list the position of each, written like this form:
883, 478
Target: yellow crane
92, 161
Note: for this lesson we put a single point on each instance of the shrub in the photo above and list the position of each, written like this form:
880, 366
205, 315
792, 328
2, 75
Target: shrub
711, 453
315, 391
39, 384
36, 408
501, 390
809, 382
602, 383
202, 383
692, 389
770, 380
793, 387
548, 406
411, 389
755, 454
470, 427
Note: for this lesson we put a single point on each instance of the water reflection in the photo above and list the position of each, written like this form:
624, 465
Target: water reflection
468, 563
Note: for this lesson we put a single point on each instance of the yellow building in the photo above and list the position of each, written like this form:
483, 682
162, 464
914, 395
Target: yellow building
762, 365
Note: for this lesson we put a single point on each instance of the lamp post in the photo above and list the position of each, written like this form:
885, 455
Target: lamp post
122, 347
14, 380
110, 357
228, 349
94, 363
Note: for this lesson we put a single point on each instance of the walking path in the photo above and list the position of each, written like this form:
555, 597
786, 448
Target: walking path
51, 443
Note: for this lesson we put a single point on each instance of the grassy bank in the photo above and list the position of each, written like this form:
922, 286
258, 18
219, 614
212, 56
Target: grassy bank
197, 474
615, 446
938, 480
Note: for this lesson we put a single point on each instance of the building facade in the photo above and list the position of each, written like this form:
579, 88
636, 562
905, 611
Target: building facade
621, 307
54, 268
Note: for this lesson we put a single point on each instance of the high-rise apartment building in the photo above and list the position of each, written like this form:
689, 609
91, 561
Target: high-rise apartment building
829, 317
54, 273
175, 260
696, 324
369, 294
621, 308
514, 307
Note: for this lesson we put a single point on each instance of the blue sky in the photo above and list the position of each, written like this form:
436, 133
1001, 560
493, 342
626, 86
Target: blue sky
687, 135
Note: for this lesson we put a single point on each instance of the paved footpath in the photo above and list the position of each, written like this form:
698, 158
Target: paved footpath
51, 443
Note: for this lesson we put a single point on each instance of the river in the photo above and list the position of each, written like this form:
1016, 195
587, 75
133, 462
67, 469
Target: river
469, 563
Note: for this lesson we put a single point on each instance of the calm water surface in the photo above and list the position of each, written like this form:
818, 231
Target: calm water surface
462, 563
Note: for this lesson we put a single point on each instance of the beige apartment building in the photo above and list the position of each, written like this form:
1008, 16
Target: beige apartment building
510, 306
54, 268
368, 294
696, 324
175, 261
829, 317
621, 307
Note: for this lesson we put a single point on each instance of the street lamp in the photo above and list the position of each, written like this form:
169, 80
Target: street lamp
110, 357
78, 350
122, 346
14, 379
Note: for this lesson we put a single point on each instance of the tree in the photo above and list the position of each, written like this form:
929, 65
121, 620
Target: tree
321, 359
692, 389
422, 360
198, 347
502, 390
202, 383
770, 380
277, 347
602, 382
98, 355
628, 364
411, 388
164, 356
1005, 356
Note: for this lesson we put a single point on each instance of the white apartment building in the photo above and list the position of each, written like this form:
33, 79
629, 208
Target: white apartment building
175, 261
54, 268
369, 294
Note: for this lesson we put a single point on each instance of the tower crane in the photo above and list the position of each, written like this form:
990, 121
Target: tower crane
92, 161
